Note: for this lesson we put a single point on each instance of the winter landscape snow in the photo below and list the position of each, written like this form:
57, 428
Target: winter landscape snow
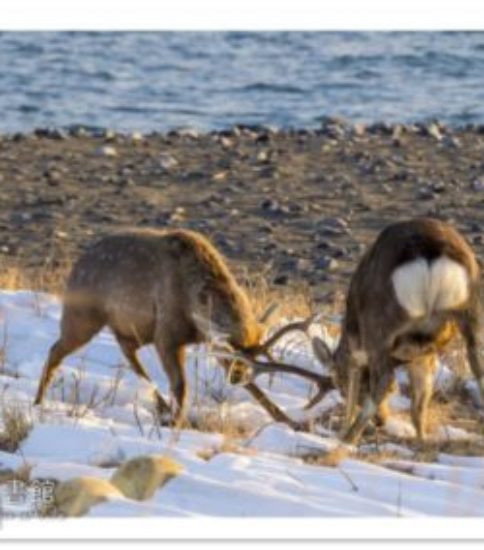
238, 462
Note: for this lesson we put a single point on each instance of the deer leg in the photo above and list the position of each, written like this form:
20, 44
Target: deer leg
354, 384
421, 373
381, 379
469, 325
129, 348
172, 357
77, 328
383, 412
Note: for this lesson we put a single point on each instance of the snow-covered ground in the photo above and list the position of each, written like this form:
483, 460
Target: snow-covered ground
98, 414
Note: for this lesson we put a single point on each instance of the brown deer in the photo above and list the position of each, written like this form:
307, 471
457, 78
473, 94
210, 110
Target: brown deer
170, 288
415, 288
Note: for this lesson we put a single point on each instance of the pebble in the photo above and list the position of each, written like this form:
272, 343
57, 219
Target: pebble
328, 263
452, 142
359, 129
303, 264
425, 193
438, 187
109, 135
478, 184
270, 205
53, 177
281, 280
106, 151
167, 161
433, 130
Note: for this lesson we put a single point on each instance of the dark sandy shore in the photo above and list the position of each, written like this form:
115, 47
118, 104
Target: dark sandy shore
294, 205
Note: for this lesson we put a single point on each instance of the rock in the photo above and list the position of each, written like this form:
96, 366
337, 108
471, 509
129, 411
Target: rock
140, 477
438, 187
334, 128
167, 161
78, 131
109, 135
75, 497
270, 205
188, 132
53, 177
136, 137
220, 176
381, 128
359, 129
328, 263
334, 226
452, 142
106, 151
226, 142
178, 215
478, 184
303, 264
425, 193
433, 130
281, 280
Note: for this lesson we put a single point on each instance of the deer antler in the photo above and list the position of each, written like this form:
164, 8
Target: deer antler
324, 383
301, 326
255, 368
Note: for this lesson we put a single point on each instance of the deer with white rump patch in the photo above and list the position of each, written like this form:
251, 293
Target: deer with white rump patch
170, 288
413, 290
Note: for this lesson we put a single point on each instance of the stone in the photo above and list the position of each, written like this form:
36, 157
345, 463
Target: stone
438, 187
167, 161
106, 151
478, 184
433, 130
328, 263
281, 280
452, 142
359, 129
140, 477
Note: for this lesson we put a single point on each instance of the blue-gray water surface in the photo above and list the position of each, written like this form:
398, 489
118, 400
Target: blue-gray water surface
156, 81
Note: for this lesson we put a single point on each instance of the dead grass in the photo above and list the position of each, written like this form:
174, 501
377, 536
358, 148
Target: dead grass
228, 445
16, 427
331, 459
294, 300
47, 278
221, 421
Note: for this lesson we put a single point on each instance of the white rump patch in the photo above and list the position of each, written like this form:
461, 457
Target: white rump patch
423, 288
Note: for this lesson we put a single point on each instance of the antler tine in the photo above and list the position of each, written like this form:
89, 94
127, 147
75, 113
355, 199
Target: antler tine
324, 383
301, 326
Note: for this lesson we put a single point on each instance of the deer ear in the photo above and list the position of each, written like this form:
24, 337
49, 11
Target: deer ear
322, 352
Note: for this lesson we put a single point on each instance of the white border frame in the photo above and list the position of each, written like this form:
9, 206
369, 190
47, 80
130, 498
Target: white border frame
255, 15
188, 529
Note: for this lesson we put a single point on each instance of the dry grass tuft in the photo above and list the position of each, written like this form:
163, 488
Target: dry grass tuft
331, 459
228, 445
46, 278
16, 427
292, 301
221, 421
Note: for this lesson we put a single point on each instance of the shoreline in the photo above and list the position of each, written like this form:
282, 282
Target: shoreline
298, 206
324, 126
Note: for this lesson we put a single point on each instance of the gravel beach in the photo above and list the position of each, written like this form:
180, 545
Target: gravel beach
295, 205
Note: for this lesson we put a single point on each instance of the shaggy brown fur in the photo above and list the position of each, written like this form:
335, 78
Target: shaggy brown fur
167, 287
